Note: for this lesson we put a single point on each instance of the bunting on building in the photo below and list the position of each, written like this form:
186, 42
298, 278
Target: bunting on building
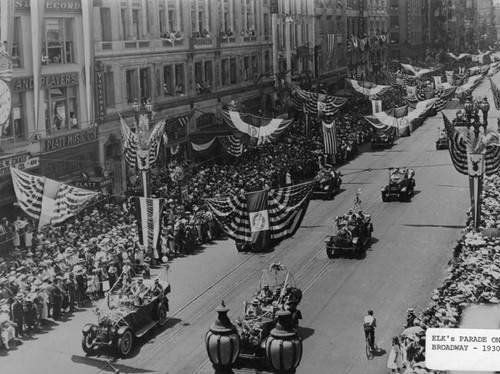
329, 138
496, 94
417, 71
261, 130
148, 213
46, 200
264, 216
316, 104
372, 90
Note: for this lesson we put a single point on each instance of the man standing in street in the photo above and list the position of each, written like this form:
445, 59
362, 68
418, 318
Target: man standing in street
369, 324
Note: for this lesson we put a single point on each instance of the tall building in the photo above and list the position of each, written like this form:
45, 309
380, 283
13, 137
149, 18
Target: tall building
50, 130
408, 26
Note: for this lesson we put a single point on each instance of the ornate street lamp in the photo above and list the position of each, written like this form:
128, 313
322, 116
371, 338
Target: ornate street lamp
476, 150
222, 340
284, 347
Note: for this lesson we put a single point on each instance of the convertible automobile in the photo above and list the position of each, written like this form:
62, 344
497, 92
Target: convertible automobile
327, 184
401, 184
121, 320
353, 236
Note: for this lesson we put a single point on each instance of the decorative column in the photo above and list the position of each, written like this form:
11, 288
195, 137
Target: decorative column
231, 17
197, 16
178, 16
129, 24
207, 18
168, 27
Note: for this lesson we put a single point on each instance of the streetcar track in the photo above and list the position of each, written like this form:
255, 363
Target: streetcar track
277, 251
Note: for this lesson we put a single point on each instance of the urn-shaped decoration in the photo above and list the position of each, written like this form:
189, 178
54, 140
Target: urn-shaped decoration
284, 347
222, 340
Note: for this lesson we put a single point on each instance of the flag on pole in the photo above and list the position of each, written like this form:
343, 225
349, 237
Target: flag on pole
183, 121
148, 213
330, 47
329, 138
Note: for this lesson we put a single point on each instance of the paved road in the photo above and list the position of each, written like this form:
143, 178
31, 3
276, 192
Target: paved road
412, 244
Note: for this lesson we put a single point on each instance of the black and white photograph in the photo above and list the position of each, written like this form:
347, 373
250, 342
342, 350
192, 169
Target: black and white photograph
249, 186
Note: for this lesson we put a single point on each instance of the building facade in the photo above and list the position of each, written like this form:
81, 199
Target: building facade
50, 129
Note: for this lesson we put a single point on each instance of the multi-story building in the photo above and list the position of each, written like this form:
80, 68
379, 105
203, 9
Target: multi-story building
80, 65
50, 130
407, 29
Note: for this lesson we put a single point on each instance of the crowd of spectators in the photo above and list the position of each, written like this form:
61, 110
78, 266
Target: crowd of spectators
45, 274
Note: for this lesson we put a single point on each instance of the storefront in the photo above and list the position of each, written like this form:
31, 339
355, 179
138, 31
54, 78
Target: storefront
65, 157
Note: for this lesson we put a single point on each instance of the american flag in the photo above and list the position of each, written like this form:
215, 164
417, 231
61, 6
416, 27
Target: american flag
29, 192
307, 102
457, 147
329, 138
286, 208
231, 144
148, 214
69, 201
397, 80
129, 140
29, 189
330, 46
155, 141
185, 120
443, 96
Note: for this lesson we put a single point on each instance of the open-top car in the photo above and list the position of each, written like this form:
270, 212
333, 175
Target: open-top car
442, 141
401, 184
382, 140
128, 312
353, 236
277, 291
327, 184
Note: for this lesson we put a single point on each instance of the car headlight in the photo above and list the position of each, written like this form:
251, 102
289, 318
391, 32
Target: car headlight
112, 330
94, 328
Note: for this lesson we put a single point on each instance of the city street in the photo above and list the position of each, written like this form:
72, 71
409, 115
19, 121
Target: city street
411, 246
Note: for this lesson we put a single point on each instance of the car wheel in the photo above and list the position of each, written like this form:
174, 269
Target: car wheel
125, 343
403, 196
87, 343
329, 252
384, 197
162, 315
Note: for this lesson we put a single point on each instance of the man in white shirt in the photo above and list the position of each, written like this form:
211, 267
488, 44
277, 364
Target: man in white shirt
369, 324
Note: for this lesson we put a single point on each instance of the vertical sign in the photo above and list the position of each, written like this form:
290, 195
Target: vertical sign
100, 99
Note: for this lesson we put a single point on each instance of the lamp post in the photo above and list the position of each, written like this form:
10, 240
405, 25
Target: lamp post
475, 150
142, 125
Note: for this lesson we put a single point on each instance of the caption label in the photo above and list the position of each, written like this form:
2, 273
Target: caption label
462, 349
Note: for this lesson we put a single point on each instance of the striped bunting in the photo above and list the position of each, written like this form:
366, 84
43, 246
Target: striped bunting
492, 159
286, 208
260, 129
129, 140
69, 201
398, 79
231, 144
29, 192
470, 84
329, 138
316, 104
372, 90
456, 146
5, 67
417, 71
185, 120
155, 141
496, 94
443, 97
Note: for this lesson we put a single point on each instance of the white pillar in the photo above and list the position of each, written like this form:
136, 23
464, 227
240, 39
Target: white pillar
178, 16
168, 27
288, 48
244, 7
231, 17
274, 33
222, 15
130, 22
197, 16
207, 17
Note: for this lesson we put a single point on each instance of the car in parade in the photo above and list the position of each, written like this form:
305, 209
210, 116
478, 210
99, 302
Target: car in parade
442, 141
401, 185
122, 319
353, 236
382, 140
327, 184
277, 290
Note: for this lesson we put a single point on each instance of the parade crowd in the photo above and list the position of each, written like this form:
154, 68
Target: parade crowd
49, 272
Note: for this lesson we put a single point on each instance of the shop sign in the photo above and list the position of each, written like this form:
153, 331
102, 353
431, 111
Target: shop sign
54, 80
23, 161
22, 84
93, 185
69, 140
60, 5
100, 105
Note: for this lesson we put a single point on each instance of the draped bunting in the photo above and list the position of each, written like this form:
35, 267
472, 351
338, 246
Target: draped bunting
367, 88
469, 85
493, 69
443, 96
231, 144
46, 200
307, 102
496, 94
132, 142
459, 57
286, 207
389, 118
262, 130
399, 79
417, 71
202, 147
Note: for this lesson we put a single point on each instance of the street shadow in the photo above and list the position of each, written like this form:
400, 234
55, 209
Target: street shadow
379, 352
107, 365
305, 332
